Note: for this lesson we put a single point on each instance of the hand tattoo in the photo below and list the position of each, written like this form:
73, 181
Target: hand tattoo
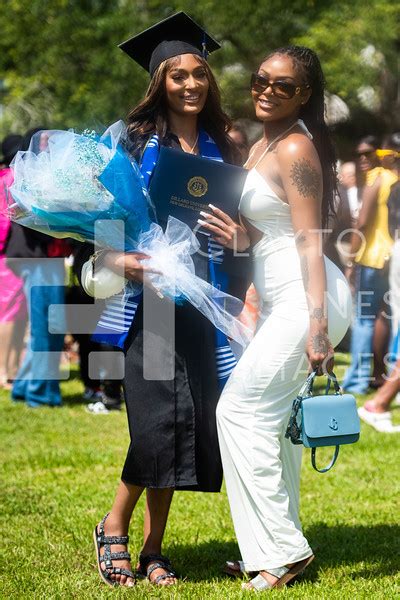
320, 343
318, 313
306, 178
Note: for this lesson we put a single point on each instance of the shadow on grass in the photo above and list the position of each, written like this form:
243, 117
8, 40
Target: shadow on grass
203, 561
337, 545
374, 549
73, 398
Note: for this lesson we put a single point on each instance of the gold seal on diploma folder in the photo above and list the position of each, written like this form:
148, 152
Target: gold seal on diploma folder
184, 184
197, 186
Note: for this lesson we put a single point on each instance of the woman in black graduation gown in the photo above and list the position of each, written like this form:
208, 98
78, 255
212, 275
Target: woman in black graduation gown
172, 423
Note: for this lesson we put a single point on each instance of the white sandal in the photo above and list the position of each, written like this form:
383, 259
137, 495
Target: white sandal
284, 574
235, 568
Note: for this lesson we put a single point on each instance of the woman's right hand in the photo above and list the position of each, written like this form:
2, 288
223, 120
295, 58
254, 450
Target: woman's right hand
128, 264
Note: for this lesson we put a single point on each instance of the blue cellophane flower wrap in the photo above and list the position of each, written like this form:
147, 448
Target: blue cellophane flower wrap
81, 186
87, 187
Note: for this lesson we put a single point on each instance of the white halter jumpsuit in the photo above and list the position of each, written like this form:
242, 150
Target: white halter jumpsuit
261, 467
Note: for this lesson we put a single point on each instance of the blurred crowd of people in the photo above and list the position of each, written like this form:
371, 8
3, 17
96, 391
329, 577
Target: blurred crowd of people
363, 240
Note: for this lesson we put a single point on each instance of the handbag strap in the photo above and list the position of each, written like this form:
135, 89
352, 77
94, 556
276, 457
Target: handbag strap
327, 468
332, 377
293, 431
308, 385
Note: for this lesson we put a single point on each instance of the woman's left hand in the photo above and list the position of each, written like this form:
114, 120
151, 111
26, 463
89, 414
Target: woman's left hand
320, 352
224, 230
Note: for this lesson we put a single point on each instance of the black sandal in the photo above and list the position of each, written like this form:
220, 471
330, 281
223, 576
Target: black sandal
106, 540
156, 561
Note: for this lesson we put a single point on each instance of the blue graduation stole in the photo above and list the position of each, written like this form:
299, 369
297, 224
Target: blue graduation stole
117, 318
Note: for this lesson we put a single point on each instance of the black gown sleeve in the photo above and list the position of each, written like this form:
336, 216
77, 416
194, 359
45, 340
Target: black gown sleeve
239, 269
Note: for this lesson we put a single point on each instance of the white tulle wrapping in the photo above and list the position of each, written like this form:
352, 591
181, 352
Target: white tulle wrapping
170, 253
46, 180
60, 189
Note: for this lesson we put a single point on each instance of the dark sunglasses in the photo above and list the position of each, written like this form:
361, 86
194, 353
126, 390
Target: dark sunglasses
367, 154
281, 89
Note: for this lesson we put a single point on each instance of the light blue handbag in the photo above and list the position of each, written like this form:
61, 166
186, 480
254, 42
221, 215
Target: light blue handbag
326, 420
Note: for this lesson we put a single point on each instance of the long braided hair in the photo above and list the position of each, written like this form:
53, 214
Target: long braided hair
313, 115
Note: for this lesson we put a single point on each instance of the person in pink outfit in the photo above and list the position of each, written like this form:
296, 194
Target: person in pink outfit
13, 311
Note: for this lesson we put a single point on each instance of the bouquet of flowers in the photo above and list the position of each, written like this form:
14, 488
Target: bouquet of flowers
80, 186
87, 187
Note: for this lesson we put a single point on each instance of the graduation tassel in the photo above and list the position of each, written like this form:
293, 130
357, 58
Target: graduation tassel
204, 46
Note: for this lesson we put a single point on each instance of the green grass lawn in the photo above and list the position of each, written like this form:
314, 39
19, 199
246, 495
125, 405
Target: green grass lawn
61, 467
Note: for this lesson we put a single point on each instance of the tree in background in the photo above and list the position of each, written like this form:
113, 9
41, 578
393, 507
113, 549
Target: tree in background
60, 65
359, 44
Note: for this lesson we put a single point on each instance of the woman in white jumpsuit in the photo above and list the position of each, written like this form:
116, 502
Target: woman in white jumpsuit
288, 194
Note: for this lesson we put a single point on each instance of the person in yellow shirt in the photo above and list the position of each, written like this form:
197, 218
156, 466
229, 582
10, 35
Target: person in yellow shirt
371, 245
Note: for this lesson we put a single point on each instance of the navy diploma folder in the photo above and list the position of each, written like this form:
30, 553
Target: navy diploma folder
184, 184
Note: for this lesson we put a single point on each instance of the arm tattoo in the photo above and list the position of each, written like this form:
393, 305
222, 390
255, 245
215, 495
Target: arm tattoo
306, 178
305, 272
318, 313
320, 343
301, 239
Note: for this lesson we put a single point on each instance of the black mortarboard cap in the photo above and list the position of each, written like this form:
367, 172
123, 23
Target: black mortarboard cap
176, 35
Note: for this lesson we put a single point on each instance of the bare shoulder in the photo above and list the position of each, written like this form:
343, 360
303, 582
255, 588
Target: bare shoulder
300, 166
296, 146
